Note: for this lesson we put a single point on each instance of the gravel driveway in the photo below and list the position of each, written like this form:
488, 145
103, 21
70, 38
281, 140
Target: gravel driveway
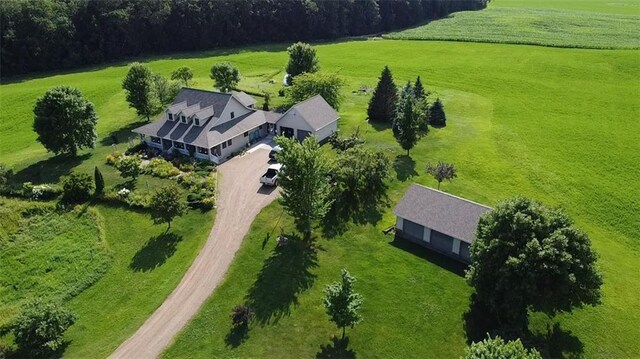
240, 199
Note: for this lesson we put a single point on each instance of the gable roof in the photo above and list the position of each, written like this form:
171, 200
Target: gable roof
235, 127
316, 112
443, 212
244, 98
218, 100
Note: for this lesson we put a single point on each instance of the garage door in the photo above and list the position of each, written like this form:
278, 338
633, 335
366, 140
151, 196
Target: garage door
441, 241
286, 131
302, 134
412, 230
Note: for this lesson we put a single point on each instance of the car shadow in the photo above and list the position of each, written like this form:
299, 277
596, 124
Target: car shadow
266, 190
284, 275
155, 252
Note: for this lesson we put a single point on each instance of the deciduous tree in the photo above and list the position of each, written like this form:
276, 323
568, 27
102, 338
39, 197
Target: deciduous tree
442, 171
166, 204
529, 257
40, 327
225, 75
310, 84
129, 167
141, 92
166, 90
183, 74
65, 121
342, 303
303, 179
302, 59
382, 106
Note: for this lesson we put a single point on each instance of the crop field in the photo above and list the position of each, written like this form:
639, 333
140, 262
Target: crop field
545, 26
554, 124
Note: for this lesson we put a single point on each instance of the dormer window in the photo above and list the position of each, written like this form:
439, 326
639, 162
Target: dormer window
183, 119
196, 121
170, 117
232, 114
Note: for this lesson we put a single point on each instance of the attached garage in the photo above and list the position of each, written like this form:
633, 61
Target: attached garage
312, 117
439, 221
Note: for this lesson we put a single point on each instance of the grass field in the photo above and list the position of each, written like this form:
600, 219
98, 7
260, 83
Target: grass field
558, 125
43, 254
535, 24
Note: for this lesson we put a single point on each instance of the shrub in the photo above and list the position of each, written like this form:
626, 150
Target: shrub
77, 187
27, 190
129, 167
45, 192
190, 181
39, 329
6, 175
138, 149
207, 203
498, 348
241, 315
114, 157
138, 199
344, 143
159, 167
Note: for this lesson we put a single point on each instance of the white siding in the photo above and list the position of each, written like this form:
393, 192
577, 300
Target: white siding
294, 120
326, 131
233, 106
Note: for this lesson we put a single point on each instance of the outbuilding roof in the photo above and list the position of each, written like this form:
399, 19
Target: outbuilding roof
443, 212
316, 111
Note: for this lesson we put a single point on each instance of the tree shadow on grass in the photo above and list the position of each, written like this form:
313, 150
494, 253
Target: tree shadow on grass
380, 126
367, 211
122, 135
155, 252
405, 167
436, 258
337, 349
283, 276
51, 169
555, 343
237, 335
21, 354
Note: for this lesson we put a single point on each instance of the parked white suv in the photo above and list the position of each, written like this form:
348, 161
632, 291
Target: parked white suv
270, 178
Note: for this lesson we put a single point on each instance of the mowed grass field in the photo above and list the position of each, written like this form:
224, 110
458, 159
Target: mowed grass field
595, 24
558, 125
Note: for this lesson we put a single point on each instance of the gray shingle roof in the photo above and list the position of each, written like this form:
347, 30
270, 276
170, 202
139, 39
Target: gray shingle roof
205, 98
316, 112
235, 127
244, 98
446, 213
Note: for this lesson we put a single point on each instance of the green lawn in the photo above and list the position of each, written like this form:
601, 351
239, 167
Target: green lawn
558, 125
47, 253
536, 24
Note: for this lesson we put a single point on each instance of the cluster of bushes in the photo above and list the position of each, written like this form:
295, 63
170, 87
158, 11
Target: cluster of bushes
202, 189
159, 167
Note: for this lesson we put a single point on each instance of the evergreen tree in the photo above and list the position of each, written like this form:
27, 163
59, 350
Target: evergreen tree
141, 90
99, 180
382, 105
418, 90
406, 95
407, 128
437, 116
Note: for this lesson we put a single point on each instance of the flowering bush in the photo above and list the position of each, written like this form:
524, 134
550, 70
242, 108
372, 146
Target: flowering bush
159, 167
45, 192
124, 192
113, 158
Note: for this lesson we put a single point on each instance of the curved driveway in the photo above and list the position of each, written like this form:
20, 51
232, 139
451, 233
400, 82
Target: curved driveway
240, 199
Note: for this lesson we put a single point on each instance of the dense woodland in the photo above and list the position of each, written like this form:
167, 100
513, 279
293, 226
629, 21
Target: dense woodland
42, 35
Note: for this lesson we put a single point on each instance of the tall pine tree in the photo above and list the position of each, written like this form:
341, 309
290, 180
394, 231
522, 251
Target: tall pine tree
418, 90
437, 116
382, 106
406, 126
99, 180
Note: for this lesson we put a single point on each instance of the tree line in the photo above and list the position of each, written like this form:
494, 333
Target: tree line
38, 35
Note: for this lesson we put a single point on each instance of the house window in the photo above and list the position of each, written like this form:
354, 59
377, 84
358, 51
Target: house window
179, 145
232, 114
229, 143
246, 134
224, 145
183, 119
170, 117
155, 139
197, 121
204, 151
